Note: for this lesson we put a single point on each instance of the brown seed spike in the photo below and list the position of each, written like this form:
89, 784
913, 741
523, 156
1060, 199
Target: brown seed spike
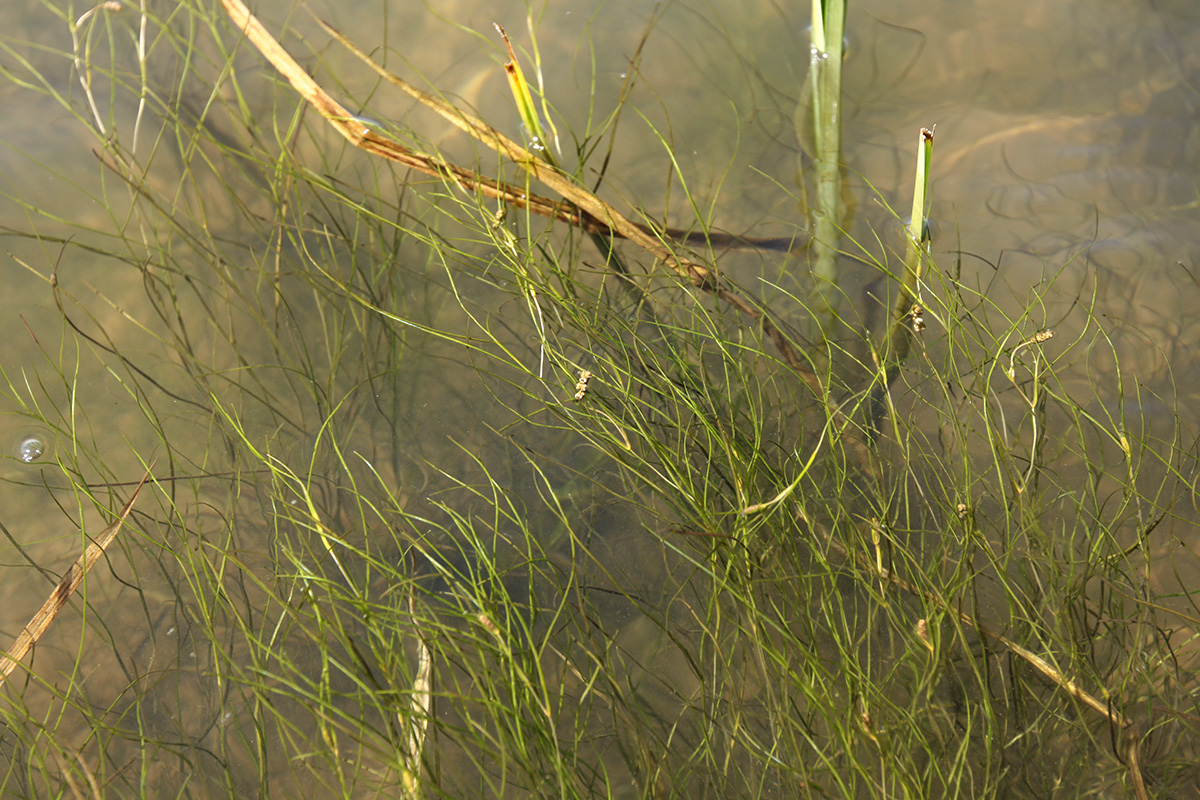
923, 633
581, 385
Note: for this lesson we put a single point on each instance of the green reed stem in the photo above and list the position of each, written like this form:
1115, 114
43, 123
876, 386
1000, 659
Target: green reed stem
825, 74
906, 311
907, 314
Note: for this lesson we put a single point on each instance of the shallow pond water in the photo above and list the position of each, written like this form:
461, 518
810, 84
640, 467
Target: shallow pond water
1065, 184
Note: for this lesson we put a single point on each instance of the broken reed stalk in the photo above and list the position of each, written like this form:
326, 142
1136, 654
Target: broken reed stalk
583, 208
825, 76
66, 587
907, 315
583, 205
523, 97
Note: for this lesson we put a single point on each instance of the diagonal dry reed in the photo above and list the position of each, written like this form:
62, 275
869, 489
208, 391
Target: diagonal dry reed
580, 215
40, 622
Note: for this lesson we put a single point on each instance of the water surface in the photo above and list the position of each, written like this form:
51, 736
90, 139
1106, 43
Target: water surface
1065, 182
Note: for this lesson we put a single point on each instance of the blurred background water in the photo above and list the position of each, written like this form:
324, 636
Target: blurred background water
1065, 182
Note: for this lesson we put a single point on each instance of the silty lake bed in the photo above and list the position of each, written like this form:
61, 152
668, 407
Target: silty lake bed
1065, 186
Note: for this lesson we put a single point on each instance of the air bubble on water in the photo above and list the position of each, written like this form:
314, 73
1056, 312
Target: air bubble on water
30, 449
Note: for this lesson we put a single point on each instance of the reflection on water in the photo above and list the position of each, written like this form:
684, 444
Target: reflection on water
1066, 177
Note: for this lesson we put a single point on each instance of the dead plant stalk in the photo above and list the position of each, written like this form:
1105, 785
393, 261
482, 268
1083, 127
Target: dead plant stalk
66, 587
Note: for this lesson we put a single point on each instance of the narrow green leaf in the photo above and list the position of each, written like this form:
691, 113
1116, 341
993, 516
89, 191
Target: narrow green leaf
523, 96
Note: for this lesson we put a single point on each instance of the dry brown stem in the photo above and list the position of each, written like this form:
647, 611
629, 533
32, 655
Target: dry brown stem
58, 598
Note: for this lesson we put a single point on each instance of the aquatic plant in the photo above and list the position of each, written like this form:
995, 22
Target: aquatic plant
819, 122
470, 482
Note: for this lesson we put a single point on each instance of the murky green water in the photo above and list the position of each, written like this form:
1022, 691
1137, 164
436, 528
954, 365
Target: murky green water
1065, 181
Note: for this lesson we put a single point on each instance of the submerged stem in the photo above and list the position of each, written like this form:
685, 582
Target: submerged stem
907, 319
825, 78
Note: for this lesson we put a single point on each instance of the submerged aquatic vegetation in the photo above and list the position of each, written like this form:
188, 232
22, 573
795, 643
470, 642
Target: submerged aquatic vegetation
450, 502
